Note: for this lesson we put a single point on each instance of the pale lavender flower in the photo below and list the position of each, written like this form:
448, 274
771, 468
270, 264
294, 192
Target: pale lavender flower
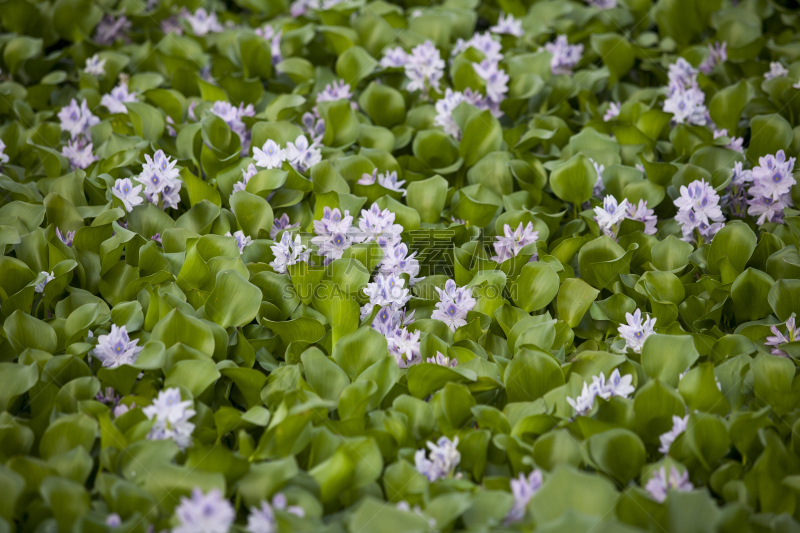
302, 155
314, 126
233, 116
125, 191
397, 261
171, 25
687, 104
636, 331
113, 520
289, 252
386, 290
247, 174
445, 107
204, 513
443, 360
641, 213
110, 28
681, 73
3, 155
171, 416
678, 427
602, 4
161, 179
610, 216
779, 338
599, 186
612, 112
156, 238
394, 58
67, 237
659, 485
335, 234
485, 43
121, 409
736, 143
442, 459
273, 37
424, 68
736, 198
338, 90
772, 183
242, 240
584, 402
263, 520
202, 22
510, 244
776, 70
523, 488
108, 395
117, 348
79, 153
301, 7
717, 53
378, 225
617, 385
404, 346
507, 25
495, 78
48, 277
454, 304
565, 56
699, 212
270, 155
387, 180
115, 100
279, 224
77, 119
388, 320
95, 66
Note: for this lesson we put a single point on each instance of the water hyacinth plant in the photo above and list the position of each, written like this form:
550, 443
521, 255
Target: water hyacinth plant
362, 266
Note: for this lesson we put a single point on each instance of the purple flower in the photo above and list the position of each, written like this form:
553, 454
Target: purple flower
378, 225
611, 215
387, 180
270, 155
507, 25
67, 237
637, 330
424, 68
171, 418
776, 70
404, 346
445, 107
496, 80
48, 277
338, 90
269, 34
772, 183
511, 243
602, 4
717, 53
659, 485
699, 212
612, 112
617, 385
397, 261
736, 197
242, 241
334, 234
279, 224
442, 460
686, 103
116, 348
453, 305
565, 56
778, 338
302, 155
79, 153
314, 126
394, 58
113, 520
247, 174
443, 360
77, 119
204, 513
233, 116
483, 43
641, 213
678, 427
95, 66
110, 28
3, 155
263, 520
385, 290
288, 252
523, 490
202, 22
125, 191
682, 73
115, 100
736, 143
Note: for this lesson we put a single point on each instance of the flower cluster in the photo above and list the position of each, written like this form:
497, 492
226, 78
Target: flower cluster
202, 22
110, 29
736, 196
263, 519
117, 348
391, 322
335, 234
660, 484
66, 237
270, 155
442, 460
233, 116
699, 212
424, 68
378, 225
616, 385
338, 90
610, 216
279, 224
523, 488
770, 193
453, 305
77, 120
206, 513
511, 243
161, 180
48, 277
269, 34
442, 360
717, 53
242, 241
302, 155
95, 66
507, 25
612, 112
171, 416
396, 260
387, 180
385, 291
288, 252
736, 144
247, 174
127, 193
565, 56
495, 82
776, 70
685, 100
636, 331
483, 43
678, 427
116, 99
779, 338
79, 153
445, 107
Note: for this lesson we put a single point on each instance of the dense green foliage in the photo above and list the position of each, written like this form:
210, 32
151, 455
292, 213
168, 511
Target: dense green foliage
292, 388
